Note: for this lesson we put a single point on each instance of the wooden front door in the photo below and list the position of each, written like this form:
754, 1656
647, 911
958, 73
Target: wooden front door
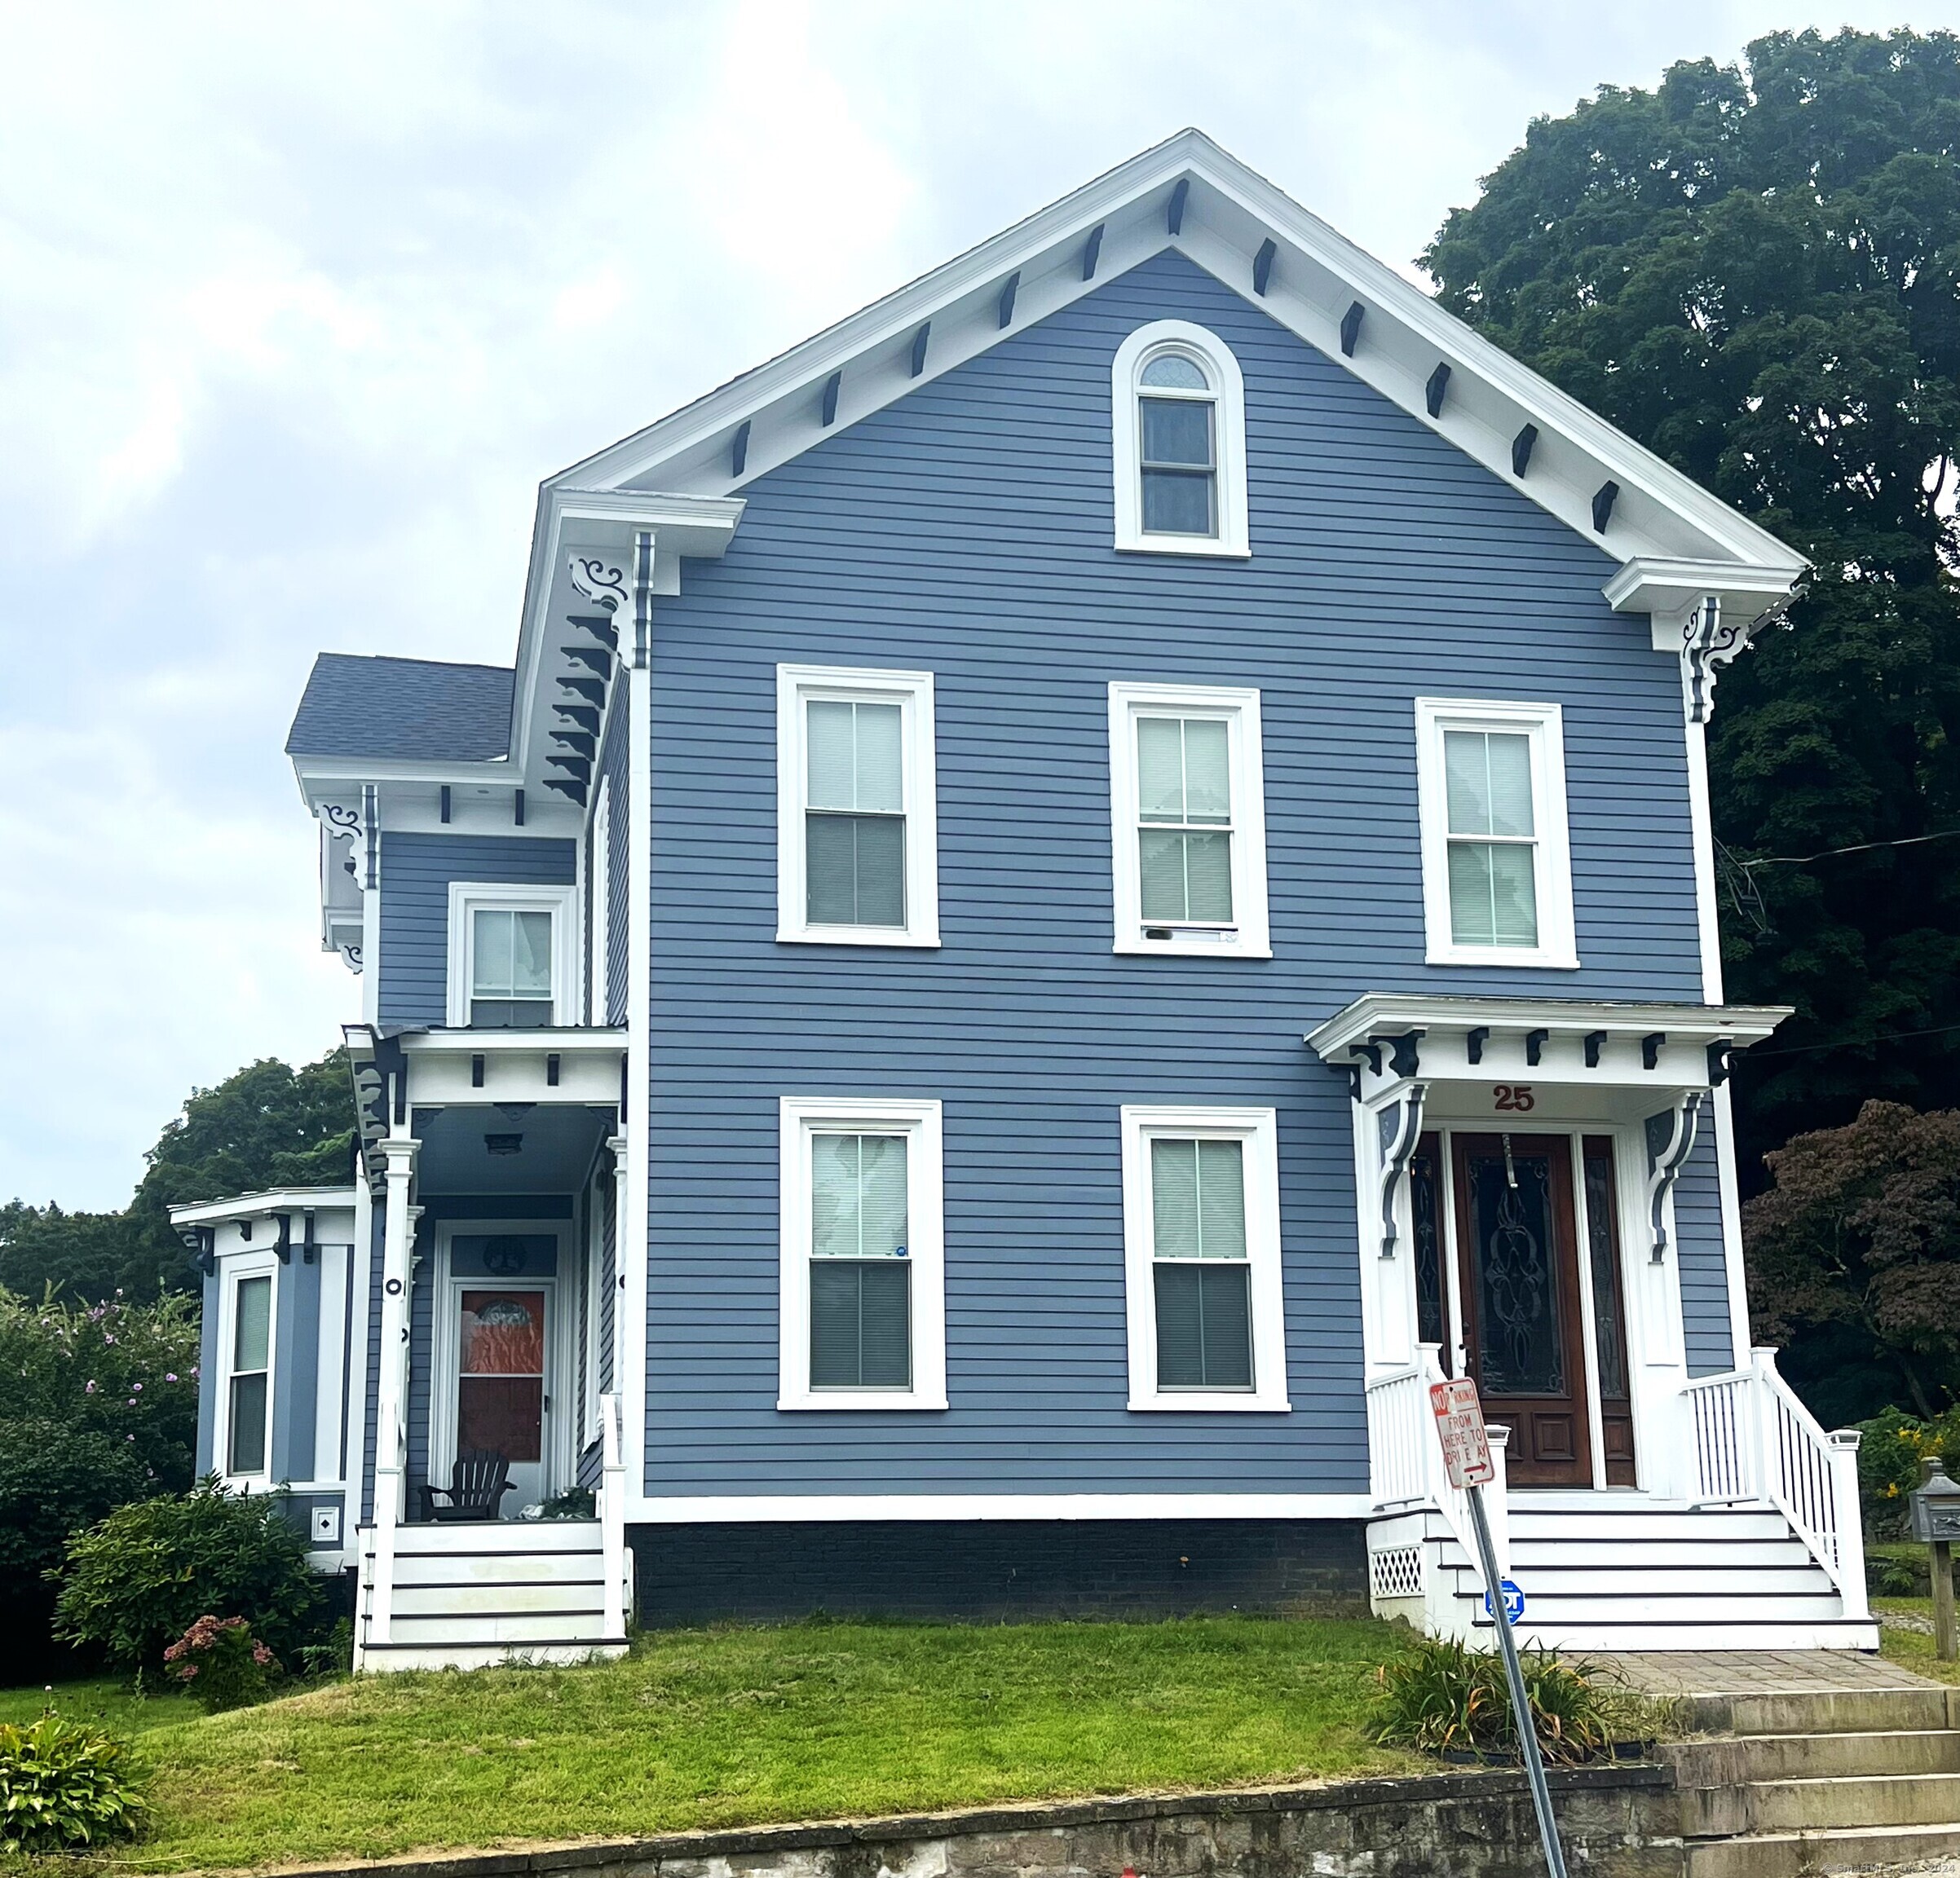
1519, 1284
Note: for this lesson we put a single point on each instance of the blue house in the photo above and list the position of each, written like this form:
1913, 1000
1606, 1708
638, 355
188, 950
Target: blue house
1079, 886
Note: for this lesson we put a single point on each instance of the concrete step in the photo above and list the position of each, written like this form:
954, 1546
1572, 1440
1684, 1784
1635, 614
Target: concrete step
499, 1628
496, 1568
1732, 1762
488, 1655
470, 1601
1850, 1712
1842, 1801
1805, 1854
496, 1536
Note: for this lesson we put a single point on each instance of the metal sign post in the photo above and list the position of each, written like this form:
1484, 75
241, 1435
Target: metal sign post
1460, 1421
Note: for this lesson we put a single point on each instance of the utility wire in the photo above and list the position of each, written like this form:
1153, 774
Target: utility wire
1852, 1042
1857, 848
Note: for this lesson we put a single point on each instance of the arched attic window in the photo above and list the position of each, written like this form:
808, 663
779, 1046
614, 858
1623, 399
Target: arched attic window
1178, 423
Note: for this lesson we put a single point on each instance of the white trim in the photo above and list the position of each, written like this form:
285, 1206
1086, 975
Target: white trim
1227, 398
734, 1509
1250, 937
1258, 1129
632, 1245
912, 692
1557, 947
235, 1270
599, 938
467, 897
921, 1122
314, 1200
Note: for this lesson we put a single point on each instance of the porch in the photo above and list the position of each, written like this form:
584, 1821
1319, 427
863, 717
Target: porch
494, 1521
1548, 1208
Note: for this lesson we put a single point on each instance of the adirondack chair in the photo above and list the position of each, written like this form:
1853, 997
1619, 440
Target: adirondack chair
479, 1479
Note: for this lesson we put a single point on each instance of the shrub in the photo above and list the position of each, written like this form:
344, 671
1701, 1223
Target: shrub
1888, 1463
62, 1785
220, 1662
1445, 1697
136, 1581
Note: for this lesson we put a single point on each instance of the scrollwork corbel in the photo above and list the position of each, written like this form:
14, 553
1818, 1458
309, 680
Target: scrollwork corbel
1670, 1136
1399, 1127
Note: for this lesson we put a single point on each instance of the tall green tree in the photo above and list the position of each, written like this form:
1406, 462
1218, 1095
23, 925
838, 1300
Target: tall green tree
1755, 271
266, 1125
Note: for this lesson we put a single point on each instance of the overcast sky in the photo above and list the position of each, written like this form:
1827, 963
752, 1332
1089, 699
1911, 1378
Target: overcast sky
297, 304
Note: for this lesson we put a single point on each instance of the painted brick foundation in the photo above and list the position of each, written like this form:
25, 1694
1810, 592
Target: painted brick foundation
1000, 1569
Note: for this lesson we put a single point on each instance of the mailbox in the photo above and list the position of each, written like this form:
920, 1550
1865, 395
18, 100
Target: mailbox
1936, 1505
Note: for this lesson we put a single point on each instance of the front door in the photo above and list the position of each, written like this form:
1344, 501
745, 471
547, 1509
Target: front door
500, 1344
1519, 1284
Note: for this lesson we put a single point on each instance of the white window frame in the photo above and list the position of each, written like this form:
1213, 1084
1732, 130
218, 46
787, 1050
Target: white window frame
802, 1117
1250, 935
1229, 439
599, 935
1258, 1129
468, 897
912, 693
1557, 949
232, 1272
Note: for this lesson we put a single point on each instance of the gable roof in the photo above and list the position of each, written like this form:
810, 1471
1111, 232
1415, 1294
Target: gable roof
416, 709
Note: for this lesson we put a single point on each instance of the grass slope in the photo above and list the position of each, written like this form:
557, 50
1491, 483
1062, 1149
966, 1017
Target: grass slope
733, 1727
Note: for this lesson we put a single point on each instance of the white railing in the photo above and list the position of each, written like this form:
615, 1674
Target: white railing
1754, 1441
1406, 1468
611, 1496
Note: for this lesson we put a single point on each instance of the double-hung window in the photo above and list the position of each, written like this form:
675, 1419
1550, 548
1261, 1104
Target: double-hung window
1178, 427
1497, 871
863, 1263
857, 828
1206, 1327
1188, 811
513, 956
247, 1332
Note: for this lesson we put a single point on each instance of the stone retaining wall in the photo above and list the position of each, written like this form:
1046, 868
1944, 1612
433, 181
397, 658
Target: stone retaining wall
1617, 1822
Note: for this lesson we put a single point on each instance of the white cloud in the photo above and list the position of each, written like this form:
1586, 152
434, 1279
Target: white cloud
302, 301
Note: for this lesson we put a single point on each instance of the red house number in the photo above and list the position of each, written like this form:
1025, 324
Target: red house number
1514, 1097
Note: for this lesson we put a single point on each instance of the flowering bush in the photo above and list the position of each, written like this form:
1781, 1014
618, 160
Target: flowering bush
1888, 1463
220, 1662
139, 1579
61, 1786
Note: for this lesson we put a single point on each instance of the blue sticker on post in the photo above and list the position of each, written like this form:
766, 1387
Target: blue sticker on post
1514, 1601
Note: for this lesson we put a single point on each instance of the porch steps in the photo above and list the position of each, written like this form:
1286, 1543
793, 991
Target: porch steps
1811, 1795
467, 1595
1638, 1576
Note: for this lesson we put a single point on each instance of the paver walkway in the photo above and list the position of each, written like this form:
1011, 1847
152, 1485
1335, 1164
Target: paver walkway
1756, 1672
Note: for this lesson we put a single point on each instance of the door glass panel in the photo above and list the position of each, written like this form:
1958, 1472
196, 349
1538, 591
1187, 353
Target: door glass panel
1521, 1347
501, 1389
1424, 1193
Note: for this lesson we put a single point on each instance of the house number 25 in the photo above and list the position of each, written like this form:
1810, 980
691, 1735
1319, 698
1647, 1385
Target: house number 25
1514, 1097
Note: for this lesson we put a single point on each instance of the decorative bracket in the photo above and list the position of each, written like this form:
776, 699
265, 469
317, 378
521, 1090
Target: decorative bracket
1707, 645
350, 955
356, 826
1669, 1141
604, 584
1399, 1126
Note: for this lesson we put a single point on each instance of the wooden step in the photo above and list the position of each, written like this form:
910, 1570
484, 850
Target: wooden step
499, 1535
472, 1601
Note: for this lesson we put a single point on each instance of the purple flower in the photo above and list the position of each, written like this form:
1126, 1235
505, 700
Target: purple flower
169, 1375
91, 1389
136, 1387
107, 1339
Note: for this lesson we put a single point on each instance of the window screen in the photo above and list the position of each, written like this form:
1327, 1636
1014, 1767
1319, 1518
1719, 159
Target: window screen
855, 813
860, 1276
1492, 838
1200, 1270
251, 1363
510, 968
1184, 789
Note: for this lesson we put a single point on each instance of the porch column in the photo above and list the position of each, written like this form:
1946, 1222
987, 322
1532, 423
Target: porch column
391, 1425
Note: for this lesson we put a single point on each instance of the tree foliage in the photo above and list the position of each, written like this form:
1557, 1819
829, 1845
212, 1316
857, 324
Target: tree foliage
267, 1126
1755, 271
1860, 1230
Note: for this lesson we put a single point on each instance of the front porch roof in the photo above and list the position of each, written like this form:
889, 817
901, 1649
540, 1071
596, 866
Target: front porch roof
1387, 1037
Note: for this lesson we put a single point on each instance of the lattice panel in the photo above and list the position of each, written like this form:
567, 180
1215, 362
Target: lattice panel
1397, 1571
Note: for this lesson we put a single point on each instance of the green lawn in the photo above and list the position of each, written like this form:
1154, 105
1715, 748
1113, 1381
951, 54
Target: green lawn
1913, 1649
732, 1726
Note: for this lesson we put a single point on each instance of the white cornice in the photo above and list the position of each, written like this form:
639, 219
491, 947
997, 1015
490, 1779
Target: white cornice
1385, 1013
257, 1205
1316, 275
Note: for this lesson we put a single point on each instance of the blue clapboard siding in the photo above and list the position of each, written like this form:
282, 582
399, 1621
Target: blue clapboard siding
613, 756
1704, 1273
416, 872
966, 530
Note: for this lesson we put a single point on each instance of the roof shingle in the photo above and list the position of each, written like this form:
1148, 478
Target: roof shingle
403, 708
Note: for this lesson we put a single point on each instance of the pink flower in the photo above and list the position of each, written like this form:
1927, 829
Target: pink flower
169, 1375
91, 1389
136, 1387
